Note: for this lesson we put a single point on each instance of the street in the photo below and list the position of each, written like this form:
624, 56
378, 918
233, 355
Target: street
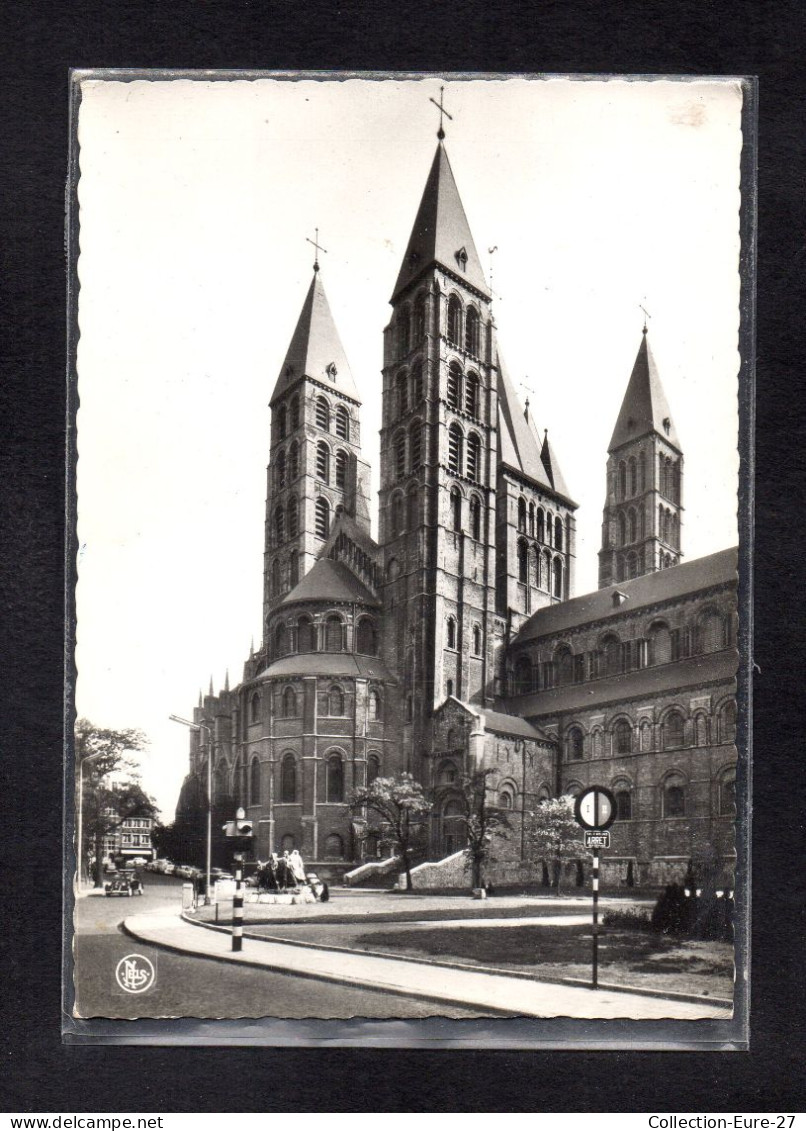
187, 986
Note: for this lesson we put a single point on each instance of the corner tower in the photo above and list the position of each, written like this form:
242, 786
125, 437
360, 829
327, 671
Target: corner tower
438, 466
643, 511
315, 467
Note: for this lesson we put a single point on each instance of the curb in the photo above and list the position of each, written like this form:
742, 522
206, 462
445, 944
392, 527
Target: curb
609, 987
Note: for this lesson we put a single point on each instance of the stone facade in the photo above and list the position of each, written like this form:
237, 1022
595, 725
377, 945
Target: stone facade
455, 642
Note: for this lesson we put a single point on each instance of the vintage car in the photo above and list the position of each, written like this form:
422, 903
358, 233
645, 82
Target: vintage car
125, 882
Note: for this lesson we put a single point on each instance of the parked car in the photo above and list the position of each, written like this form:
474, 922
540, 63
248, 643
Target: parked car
168, 869
138, 862
220, 874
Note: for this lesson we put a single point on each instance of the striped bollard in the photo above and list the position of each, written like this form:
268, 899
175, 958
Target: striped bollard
237, 907
596, 918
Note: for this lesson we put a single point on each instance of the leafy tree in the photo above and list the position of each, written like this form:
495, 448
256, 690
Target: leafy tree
484, 823
401, 805
111, 783
554, 836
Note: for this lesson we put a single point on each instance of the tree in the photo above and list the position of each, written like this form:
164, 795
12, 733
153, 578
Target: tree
401, 804
483, 822
111, 784
555, 837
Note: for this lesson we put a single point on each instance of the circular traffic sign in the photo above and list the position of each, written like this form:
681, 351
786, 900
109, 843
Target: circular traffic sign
595, 808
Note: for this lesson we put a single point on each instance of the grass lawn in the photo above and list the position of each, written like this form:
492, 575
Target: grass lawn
634, 958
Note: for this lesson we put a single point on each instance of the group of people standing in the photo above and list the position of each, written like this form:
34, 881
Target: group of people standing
279, 873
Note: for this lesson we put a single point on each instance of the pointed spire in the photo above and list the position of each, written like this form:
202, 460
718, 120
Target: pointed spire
226, 680
441, 233
644, 407
549, 461
316, 350
211, 692
201, 698
251, 647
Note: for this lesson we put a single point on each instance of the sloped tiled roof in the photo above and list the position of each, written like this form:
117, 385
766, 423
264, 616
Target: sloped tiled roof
550, 463
329, 581
520, 447
441, 231
345, 523
500, 722
651, 588
329, 664
644, 408
316, 348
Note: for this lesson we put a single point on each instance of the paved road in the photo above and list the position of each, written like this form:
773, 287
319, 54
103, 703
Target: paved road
198, 987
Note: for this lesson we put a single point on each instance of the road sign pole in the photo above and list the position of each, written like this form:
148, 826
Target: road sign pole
595, 919
237, 906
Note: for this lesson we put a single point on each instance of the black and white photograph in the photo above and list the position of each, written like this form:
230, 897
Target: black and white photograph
409, 638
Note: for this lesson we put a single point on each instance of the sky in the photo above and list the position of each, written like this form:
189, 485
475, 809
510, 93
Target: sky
196, 199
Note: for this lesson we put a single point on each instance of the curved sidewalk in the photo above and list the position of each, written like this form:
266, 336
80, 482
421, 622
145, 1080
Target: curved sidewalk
490, 993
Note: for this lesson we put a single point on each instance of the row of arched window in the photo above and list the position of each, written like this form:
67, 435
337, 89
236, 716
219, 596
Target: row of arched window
546, 572
453, 637
408, 389
464, 456
289, 778
540, 524
328, 419
285, 520
672, 794
280, 573
330, 635
631, 476
711, 630
464, 326
287, 465
410, 325
331, 702
407, 448
404, 511
668, 527
669, 477
624, 737
457, 515
463, 391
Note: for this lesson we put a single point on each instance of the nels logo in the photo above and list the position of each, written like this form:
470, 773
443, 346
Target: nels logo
135, 974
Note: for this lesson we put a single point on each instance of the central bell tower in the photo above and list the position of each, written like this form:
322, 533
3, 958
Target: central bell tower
438, 467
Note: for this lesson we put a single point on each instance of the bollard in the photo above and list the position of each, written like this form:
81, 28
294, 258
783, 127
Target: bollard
237, 907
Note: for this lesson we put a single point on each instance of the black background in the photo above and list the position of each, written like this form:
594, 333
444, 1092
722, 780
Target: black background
38, 44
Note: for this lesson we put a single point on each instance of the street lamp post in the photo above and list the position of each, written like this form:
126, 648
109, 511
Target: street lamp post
200, 727
80, 831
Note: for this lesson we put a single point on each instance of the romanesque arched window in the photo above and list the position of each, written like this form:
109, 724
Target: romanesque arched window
564, 664
323, 461
335, 700
254, 708
622, 737
454, 320
373, 768
660, 643
293, 570
558, 533
254, 782
342, 423
674, 796
623, 795
632, 525
454, 385
451, 633
335, 778
523, 675
523, 560
575, 744
334, 847
288, 779
333, 634
282, 420
456, 508
341, 468
275, 577
727, 723
475, 518
633, 470
473, 456
642, 469
506, 798
293, 461
417, 385
416, 444
366, 637
402, 392
611, 647
622, 479
418, 321
399, 450
622, 529
674, 729
306, 641
289, 703
412, 508
398, 510
280, 469
293, 517
472, 331
472, 395
322, 414
701, 730
447, 773
280, 640
375, 705
322, 517
476, 640
558, 577
541, 525
279, 526
522, 514
455, 448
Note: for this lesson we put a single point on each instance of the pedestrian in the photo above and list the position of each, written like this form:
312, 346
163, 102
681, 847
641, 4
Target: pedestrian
297, 867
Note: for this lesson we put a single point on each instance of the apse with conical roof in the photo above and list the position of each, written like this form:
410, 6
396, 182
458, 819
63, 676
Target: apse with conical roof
643, 511
315, 467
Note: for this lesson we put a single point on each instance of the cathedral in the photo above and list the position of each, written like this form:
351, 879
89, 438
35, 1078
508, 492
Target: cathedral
456, 640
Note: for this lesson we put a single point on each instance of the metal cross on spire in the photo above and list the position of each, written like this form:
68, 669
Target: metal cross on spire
318, 247
442, 110
646, 315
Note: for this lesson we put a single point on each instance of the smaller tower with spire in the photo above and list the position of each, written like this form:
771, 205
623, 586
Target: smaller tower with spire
643, 511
